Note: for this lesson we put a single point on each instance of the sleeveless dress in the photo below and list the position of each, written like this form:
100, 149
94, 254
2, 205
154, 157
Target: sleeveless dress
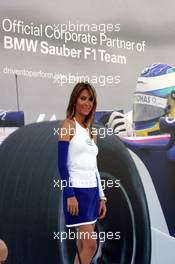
82, 166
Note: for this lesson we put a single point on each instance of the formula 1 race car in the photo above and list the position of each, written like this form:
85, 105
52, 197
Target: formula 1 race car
140, 209
154, 157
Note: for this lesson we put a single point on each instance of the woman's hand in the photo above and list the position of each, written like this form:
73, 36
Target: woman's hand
102, 209
72, 205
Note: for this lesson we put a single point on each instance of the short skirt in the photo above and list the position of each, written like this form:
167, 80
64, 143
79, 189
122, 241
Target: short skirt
88, 204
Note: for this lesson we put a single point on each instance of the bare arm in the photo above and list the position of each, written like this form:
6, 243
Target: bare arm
67, 130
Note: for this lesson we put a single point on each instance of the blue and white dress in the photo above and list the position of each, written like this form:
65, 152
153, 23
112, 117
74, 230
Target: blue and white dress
84, 178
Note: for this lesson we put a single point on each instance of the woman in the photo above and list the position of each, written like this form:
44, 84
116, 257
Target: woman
83, 197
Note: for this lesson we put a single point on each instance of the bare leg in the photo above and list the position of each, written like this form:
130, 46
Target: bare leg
79, 248
86, 244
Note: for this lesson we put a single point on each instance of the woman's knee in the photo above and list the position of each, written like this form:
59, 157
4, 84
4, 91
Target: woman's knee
90, 245
79, 244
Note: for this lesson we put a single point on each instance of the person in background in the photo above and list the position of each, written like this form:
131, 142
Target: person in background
3, 252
